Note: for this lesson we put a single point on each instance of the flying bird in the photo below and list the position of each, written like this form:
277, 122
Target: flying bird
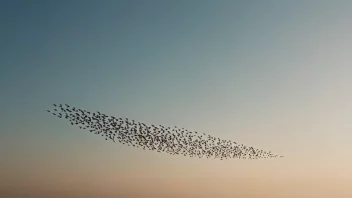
174, 141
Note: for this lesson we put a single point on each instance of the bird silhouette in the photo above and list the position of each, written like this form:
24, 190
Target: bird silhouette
171, 140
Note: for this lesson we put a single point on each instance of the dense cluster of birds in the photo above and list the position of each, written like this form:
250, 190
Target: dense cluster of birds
171, 140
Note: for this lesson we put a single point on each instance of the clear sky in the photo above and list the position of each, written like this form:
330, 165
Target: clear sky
275, 75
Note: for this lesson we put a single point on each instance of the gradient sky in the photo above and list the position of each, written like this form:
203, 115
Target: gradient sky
275, 75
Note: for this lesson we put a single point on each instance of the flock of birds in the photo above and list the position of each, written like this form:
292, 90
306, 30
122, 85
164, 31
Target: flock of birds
171, 140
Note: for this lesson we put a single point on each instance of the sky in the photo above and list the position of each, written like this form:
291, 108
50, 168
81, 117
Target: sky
275, 75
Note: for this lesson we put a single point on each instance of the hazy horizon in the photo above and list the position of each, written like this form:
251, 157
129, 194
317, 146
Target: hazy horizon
275, 75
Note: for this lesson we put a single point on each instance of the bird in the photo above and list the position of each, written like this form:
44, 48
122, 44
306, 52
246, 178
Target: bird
162, 139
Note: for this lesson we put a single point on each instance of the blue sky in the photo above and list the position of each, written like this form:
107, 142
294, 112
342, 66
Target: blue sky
272, 74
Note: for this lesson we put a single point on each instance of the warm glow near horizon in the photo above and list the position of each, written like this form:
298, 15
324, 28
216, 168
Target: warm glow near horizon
275, 75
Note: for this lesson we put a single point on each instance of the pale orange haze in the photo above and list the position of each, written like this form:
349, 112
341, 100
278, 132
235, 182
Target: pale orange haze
274, 74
